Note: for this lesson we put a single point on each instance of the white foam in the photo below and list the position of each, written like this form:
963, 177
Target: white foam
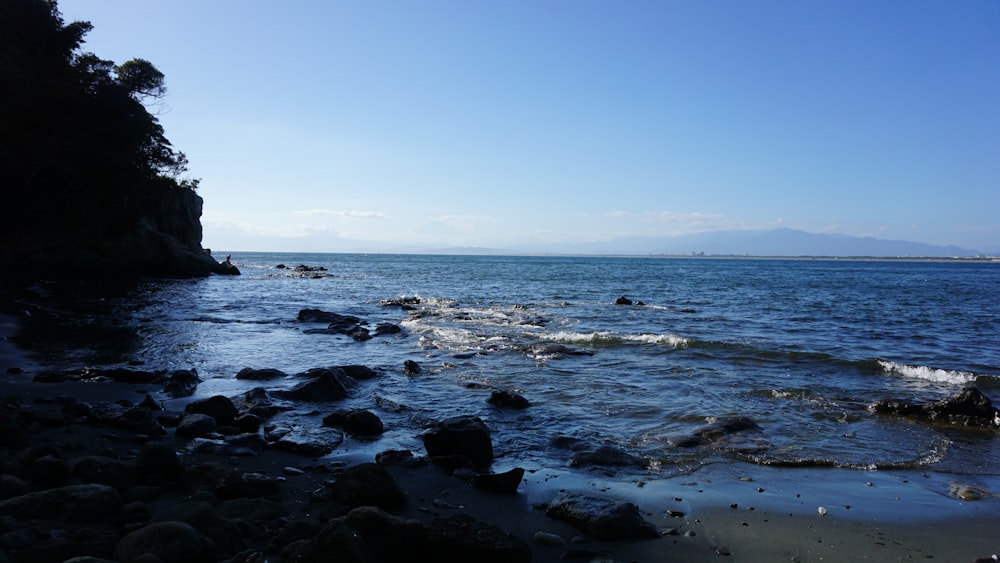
598, 337
928, 373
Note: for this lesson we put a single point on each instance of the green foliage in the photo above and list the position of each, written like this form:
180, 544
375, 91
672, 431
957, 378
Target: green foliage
77, 145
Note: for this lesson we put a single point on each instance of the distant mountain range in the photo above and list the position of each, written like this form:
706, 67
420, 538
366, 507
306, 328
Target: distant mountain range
776, 242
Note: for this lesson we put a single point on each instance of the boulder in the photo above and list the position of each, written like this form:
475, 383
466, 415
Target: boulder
501, 483
356, 422
77, 503
411, 367
265, 374
105, 470
326, 386
336, 537
464, 435
623, 301
166, 542
304, 441
388, 537
156, 463
463, 538
201, 516
49, 471
603, 519
257, 402
195, 425
181, 383
359, 373
367, 484
218, 407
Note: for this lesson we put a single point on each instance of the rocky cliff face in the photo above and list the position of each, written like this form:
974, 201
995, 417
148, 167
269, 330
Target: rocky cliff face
159, 235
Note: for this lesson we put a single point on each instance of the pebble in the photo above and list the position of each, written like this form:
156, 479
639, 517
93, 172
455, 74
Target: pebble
822, 511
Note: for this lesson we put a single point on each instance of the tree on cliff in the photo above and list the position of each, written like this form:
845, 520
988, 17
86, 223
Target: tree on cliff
83, 163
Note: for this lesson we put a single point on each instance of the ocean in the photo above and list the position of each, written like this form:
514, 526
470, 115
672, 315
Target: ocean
799, 347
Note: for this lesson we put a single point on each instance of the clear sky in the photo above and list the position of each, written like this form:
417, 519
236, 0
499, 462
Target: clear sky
350, 125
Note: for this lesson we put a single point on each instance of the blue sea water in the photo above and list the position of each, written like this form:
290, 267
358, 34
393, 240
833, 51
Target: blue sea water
801, 347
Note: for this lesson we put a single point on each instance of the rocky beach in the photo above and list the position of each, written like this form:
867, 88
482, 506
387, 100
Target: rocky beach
94, 468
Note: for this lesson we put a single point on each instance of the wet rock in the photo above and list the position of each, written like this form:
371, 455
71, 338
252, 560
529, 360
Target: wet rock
11, 434
266, 374
383, 329
969, 408
411, 368
195, 425
605, 456
600, 518
461, 537
77, 503
13, 486
181, 383
239, 445
359, 373
553, 351
218, 407
399, 457
309, 442
623, 301
464, 435
326, 386
319, 316
256, 402
716, 432
136, 420
508, 399
166, 542
404, 303
360, 334
368, 484
501, 483
356, 422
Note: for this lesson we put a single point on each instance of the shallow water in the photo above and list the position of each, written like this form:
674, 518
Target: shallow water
801, 347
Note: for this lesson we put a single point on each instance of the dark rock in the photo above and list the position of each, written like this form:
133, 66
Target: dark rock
466, 435
181, 383
201, 516
335, 322
11, 434
452, 463
969, 408
399, 457
247, 423
336, 537
508, 399
359, 373
388, 537
49, 471
257, 402
463, 538
383, 329
605, 456
195, 425
149, 403
13, 486
502, 483
716, 431
218, 407
328, 385
360, 334
156, 463
411, 368
305, 441
238, 445
554, 351
357, 422
601, 519
166, 542
139, 421
77, 503
623, 301
228, 483
105, 470
368, 484
405, 303
265, 374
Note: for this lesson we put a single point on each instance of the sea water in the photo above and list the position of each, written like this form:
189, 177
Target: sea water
800, 347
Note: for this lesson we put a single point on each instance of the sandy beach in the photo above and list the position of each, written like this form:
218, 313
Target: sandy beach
720, 512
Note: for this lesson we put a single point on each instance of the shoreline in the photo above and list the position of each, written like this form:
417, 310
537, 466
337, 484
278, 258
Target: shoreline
739, 512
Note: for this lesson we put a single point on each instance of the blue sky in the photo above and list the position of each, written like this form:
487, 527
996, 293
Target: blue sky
358, 125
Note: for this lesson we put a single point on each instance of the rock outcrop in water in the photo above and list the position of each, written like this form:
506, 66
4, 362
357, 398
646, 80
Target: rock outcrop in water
968, 408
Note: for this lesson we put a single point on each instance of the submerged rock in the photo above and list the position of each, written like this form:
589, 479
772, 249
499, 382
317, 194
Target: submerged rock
716, 431
508, 399
605, 456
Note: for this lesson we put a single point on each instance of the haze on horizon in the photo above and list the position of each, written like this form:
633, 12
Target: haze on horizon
354, 126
